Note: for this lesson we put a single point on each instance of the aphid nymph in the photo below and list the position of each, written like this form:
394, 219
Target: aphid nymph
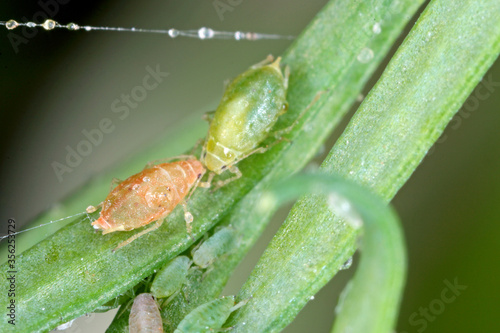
148, 196
145, 315
171, 277
209, 317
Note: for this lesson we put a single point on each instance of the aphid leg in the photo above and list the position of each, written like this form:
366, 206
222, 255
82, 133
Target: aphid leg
188, 217
234, 308
287, 76
259, 150
234, 170
226, 329
225, 84
208, 116
195, 147
197, 183
129, 303
208, 183
197, 246
114, 182
166, 301
125, 308
239, 305
164, 160
209, 269
278, 134
269, 59
134, 237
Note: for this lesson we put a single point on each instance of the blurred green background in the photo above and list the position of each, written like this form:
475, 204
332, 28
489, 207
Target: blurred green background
60, 83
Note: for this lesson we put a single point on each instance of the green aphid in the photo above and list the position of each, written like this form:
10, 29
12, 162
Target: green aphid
209, 316
171, 277
249, 108
217, 245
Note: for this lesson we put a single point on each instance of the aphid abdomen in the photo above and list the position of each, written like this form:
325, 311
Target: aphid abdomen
145, 315
180, 176
248, 111
207, 317
148, 195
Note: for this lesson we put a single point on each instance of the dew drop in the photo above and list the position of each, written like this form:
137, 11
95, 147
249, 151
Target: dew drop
11, 24
31, 24
347, 264
90, 209
205, 33
377, 28
72, 26
49, 24
188, 217
146, 179
238, 35
135, 187
251, 36
311, 298
87, 28
173, 33
344, 209
267, 202
365, 55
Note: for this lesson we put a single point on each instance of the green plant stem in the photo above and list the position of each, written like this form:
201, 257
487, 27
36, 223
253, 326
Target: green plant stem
383, 262
440, 62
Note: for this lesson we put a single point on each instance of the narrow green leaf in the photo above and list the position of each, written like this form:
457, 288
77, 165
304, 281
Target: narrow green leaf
383, 263
440, 62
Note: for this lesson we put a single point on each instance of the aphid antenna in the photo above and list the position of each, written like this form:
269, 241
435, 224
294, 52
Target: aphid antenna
201, 33
125, 308
240, 304
43, 225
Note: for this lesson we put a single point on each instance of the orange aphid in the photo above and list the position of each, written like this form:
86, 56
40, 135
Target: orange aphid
148, 196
